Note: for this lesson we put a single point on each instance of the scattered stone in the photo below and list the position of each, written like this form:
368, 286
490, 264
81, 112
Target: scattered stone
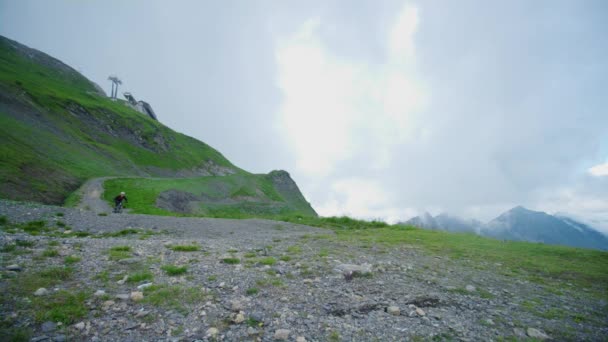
14, 268
142, 313
519, 332
251, 331
282, 334
354, 269
420, 312
393, 310
123, 280
59, 338
143, 286
108, 303
470, 288
535, 333
307, 281
300, 339
137, 296
239, 318
41, 292
128, 261
79, 325
237, 305
221, 285
48, 327
99, 293
212, 332
489, 322
132, 326
40, 338
67, 232
122, 296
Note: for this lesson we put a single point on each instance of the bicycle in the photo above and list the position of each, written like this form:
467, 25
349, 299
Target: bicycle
118, 208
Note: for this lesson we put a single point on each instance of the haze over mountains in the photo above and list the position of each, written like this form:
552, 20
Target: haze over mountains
521, 224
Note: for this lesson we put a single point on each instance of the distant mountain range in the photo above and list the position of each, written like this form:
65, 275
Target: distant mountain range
521, 224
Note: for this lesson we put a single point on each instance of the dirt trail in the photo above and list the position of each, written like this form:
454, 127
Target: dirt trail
91, 196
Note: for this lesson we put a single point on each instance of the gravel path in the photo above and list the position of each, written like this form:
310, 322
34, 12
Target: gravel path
91, 192
260, 280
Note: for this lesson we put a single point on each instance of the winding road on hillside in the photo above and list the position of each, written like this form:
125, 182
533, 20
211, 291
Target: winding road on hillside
91, 192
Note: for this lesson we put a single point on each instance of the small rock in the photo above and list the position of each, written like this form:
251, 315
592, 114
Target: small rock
48, 326
212, 332
489, 322
470, 288
123, 280
59, 338
420, 312
237, 305
300, 339
221, 285
39, 338
137, 296
79, 325
142, 313
282, 334
99, 293
307, 281
240, 318
67, 232
284, 299
143, 286
519, 332
535, 333
41, 292
108, 303
393, 310
122, 296
251, 331
14, 268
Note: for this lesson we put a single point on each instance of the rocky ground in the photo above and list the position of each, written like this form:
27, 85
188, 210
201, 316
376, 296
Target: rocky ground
147, 278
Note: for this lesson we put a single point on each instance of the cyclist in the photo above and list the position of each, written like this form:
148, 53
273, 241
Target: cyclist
118, 201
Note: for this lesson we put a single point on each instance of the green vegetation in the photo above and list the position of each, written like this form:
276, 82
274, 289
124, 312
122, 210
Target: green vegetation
185, 248
173, 270
119, 252
75, 135
252, 291
176, 297
231, 261
71, 259
144, 192
63, 306
268, 261
141, 276
50, 253
3, 220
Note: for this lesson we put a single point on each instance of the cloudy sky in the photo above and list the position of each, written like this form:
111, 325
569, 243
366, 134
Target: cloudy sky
378, 109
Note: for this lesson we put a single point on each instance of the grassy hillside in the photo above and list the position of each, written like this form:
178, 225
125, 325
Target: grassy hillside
240, 195
57, 129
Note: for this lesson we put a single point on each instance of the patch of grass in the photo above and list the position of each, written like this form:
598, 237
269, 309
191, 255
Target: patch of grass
176, 297
104, 276
25, 243
254, 323
252, 291
10, 332
122, 233
59, 214
119, 252
121, 249
231, 261
294, 249
285, 258
9, 248
102, 214
250, 255
173, 270
334, 336
60, 224
323, 253
268, 261
35, 227
61, 306
185, 248
50, 253
53, 243
141, 276
3, 220
71, 259
212, 278
365, 275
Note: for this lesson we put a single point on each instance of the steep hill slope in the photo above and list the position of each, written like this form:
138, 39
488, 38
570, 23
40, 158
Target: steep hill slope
58, 129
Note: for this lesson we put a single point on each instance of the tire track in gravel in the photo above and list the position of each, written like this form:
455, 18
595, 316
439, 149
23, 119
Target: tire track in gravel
91, 192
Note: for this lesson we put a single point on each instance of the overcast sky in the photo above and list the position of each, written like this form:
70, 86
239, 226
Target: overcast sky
378, 109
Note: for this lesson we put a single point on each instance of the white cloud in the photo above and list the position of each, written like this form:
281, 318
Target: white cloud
362, 198
599, 170
335, 108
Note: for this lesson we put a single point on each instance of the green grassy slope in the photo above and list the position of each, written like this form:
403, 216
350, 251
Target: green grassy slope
57, 130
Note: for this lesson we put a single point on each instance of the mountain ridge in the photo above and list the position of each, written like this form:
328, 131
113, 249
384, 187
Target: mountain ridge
521, 224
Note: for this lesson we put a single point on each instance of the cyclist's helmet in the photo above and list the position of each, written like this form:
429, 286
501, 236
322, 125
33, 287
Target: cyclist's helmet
122, 193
